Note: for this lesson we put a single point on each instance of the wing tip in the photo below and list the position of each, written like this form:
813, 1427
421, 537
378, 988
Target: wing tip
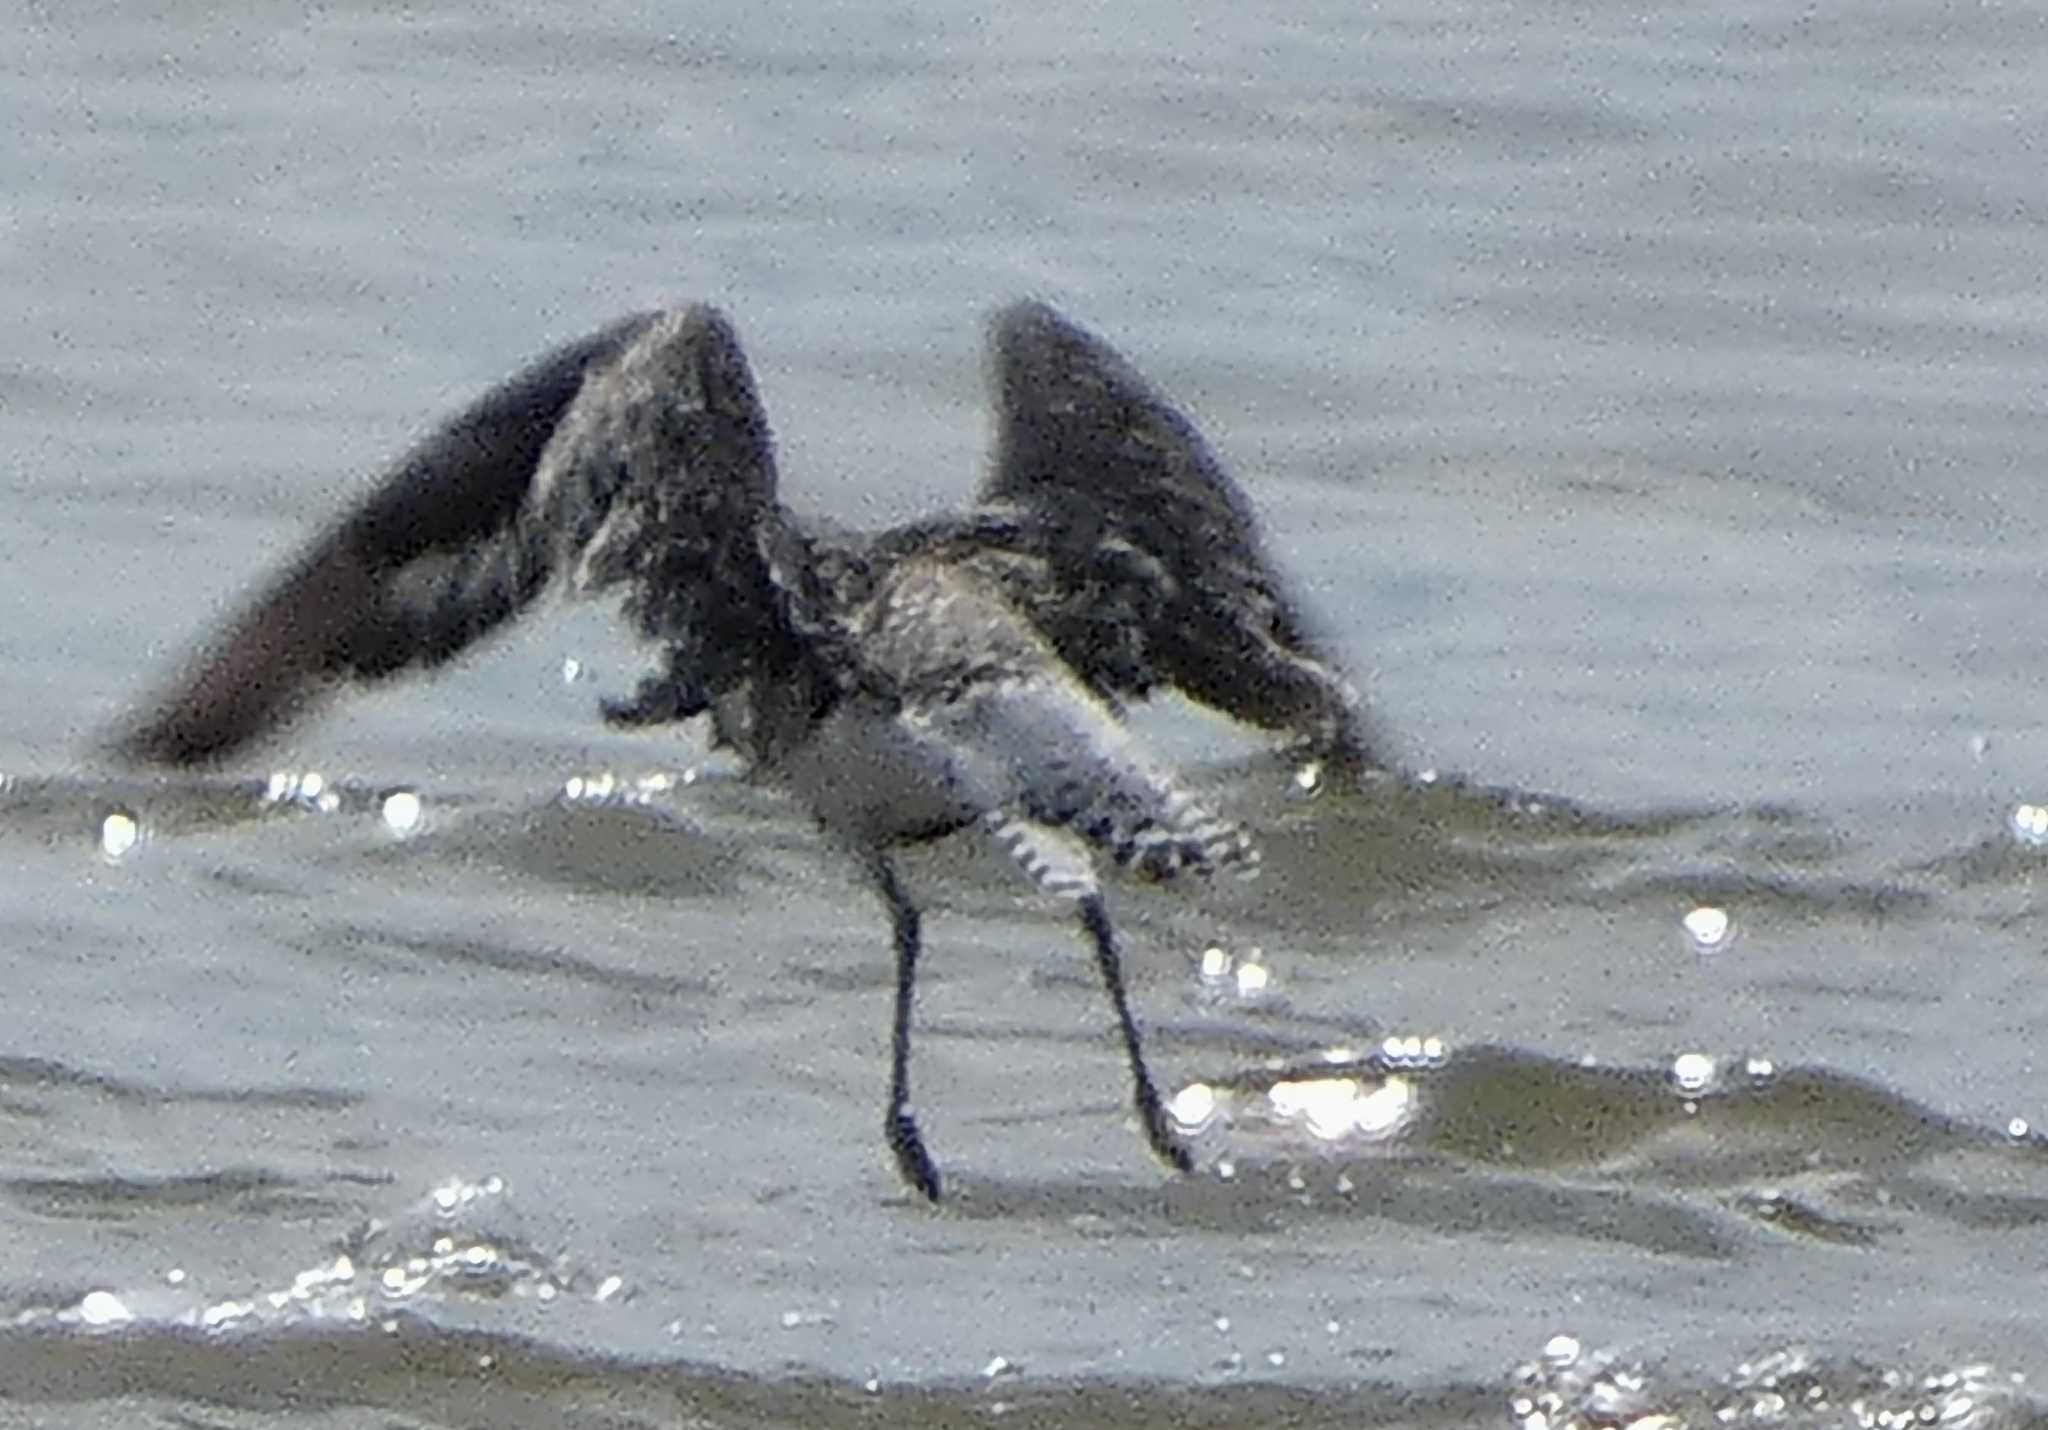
698, 346
269, 665
340, 610
1024, 319
1030, 340
202, 721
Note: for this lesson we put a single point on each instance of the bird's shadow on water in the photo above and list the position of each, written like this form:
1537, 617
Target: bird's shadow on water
1282, 1199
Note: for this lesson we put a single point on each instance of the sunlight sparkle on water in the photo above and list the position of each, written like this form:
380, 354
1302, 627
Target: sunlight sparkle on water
1693, 1072
1708, 929
307, 789
1246, 977
103, 1308
454, 1195
120, 832
401, 810
1193, 1107
1332, 1108
610, 787
226, 1313
1411, 1050
590, 789
2029, 824
1570, 1386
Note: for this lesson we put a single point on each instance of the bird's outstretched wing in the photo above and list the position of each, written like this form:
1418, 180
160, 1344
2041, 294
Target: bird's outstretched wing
628, 455
1158, 575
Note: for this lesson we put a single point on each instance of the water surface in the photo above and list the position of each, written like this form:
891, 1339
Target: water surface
1646, 401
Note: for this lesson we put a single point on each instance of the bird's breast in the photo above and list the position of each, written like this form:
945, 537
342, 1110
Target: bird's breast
874, 778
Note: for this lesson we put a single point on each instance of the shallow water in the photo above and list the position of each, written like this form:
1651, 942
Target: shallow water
1646, 400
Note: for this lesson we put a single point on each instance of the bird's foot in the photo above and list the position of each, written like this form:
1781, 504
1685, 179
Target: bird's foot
912, 1161
1159, 1130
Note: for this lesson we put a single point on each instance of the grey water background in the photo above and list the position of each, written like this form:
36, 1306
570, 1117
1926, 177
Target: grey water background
1648, 401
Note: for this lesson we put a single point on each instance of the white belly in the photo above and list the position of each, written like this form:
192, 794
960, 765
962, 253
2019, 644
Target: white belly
873, 778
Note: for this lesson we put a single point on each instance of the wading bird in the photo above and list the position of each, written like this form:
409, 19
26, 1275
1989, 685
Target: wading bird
959, 671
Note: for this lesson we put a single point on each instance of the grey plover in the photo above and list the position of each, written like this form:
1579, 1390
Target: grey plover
960, 671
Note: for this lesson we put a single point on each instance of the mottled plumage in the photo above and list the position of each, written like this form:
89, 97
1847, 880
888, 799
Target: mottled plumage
952, 673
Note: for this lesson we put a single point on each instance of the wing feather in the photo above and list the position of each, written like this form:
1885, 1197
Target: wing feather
1158, 576
615, 452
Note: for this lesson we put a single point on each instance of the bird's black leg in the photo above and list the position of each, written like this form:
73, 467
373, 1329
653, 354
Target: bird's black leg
898, 1125
1158, 1130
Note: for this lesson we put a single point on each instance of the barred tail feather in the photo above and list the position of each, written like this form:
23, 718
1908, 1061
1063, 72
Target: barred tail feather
1067, 765
1055, 861
1177, 835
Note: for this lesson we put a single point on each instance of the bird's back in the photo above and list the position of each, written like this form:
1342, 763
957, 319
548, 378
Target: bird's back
961, 711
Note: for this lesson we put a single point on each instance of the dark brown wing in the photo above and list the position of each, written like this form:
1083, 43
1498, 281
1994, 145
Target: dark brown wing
636, 449
1158, 574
